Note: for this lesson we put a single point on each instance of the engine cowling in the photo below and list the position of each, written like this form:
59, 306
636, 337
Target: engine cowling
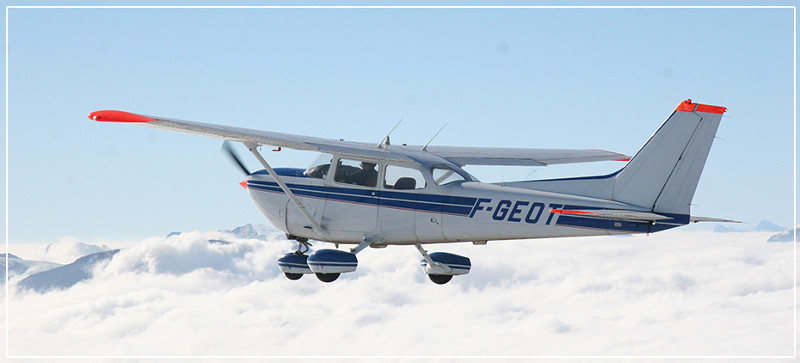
332, 262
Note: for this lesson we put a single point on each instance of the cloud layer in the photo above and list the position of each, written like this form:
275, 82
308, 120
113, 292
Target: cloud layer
672, 293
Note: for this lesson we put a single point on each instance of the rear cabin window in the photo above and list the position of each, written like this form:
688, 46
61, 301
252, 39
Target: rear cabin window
402, 178
358, 172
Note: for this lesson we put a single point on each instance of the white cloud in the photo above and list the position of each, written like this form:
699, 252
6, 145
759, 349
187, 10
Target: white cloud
672, 293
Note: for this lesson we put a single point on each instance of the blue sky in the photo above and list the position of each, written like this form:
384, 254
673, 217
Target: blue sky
571, 78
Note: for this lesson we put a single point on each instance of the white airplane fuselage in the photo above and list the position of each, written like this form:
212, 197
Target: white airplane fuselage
460, 211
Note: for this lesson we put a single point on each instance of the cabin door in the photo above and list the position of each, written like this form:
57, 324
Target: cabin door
351, 202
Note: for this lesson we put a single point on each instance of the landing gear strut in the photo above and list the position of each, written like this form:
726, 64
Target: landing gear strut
303, 245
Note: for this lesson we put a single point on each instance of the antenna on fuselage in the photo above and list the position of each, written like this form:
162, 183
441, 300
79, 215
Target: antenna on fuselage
425, 148
386, 139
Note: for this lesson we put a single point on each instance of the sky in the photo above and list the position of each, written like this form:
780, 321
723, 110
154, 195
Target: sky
676, 293
550, 78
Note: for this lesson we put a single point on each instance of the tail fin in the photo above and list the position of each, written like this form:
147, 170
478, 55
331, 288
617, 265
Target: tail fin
663, 175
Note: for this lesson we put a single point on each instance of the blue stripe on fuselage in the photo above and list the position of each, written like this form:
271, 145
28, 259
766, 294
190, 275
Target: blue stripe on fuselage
384, 198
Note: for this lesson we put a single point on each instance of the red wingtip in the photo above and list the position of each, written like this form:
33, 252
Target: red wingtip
688, 106
623, 157
118, 116
244, 183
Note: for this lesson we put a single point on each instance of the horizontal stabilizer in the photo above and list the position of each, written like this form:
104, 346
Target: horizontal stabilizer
695, 219
498, 156
615, 214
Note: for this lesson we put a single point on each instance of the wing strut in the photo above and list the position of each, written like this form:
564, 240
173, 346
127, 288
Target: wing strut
252, 147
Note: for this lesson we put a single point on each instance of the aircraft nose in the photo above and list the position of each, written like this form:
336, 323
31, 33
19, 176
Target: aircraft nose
244, 183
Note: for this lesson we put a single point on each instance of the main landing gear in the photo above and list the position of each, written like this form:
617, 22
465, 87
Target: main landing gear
442, 266
329, 264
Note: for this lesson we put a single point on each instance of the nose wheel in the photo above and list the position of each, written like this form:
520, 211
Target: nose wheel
295, 264
327, 264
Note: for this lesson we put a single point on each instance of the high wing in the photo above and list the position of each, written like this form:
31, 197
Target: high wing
241, 134
465, 155
457, 154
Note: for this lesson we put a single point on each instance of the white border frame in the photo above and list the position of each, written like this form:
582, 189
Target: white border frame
794, 191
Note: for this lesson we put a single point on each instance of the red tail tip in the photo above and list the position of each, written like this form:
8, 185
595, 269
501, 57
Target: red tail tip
688, 106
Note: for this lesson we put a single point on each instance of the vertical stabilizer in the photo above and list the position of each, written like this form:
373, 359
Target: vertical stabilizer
664, 174
662, 177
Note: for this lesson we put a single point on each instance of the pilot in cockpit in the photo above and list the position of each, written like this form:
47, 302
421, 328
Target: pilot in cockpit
367, 176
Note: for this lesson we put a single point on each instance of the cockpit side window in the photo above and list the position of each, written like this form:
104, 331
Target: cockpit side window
402, 178
356, 172
443, 175
320, 167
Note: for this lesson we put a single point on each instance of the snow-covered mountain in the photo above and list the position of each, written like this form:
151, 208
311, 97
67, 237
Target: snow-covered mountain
250, 231
763, 226
66, 276
17, 266
45, 276
785, 236
767, 226
247, 231
721, 228
68, 249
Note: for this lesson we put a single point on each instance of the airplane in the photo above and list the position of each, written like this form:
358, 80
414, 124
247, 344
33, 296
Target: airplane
376, 195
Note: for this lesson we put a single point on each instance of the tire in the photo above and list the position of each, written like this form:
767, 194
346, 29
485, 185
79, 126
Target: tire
327, 277
292, 276
440, 279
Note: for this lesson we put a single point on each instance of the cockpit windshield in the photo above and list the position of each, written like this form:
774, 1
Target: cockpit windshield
319, 168
443, 175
